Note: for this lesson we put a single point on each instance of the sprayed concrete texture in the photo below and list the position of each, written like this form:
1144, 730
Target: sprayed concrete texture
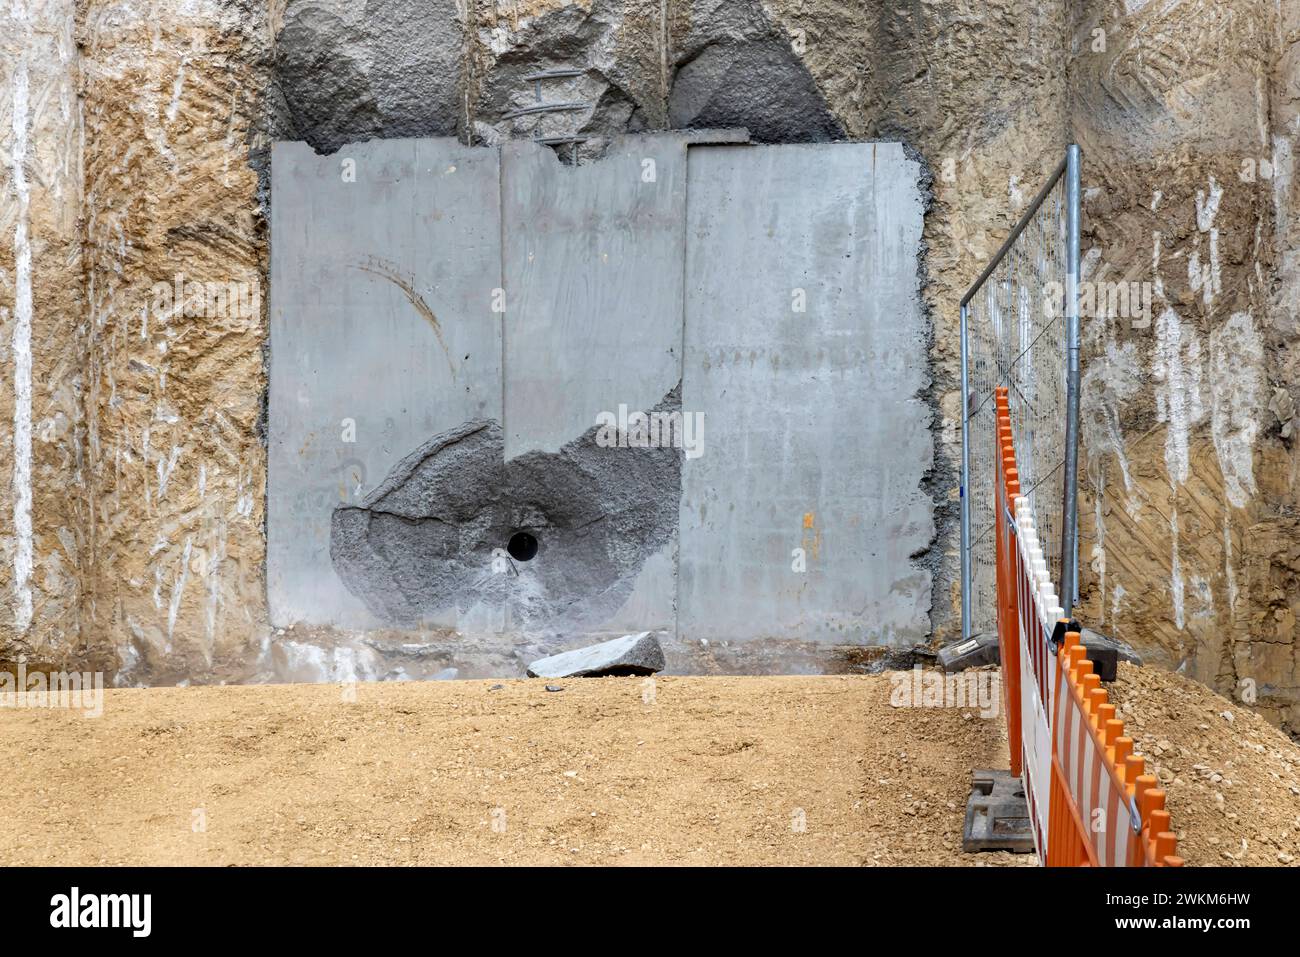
350, 71
531, 361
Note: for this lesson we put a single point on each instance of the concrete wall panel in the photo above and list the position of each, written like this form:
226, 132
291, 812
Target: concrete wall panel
382, 335
415, 428
815, 437
593, 275
593, 265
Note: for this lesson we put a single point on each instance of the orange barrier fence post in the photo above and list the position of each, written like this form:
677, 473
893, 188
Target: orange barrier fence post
1006, 486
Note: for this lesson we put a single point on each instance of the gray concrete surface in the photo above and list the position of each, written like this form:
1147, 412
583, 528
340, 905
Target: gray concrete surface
593, 270
818, 438
380, 317
472, 425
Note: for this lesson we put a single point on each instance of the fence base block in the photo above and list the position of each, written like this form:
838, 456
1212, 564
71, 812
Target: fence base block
997, 817
976, 652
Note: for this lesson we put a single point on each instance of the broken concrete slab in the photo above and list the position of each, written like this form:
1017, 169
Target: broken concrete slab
639, 654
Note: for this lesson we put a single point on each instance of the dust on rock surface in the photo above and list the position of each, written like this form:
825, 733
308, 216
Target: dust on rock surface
700, 771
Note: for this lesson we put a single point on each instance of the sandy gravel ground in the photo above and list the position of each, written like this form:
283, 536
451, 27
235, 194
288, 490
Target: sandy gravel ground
708, 771
745, 770
1232, 780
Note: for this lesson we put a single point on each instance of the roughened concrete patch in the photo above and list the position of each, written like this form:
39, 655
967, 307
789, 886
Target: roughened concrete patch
433, 535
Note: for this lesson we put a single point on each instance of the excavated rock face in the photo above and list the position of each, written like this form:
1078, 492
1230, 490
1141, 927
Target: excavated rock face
417, 545
174, 460
43, 519
613, 45
346, 72
352, 71
142, 546
736, 68
1189, 540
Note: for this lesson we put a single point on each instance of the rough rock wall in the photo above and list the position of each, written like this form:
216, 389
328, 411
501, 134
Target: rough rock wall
1266, 648
42, 519
175, 465
1186, 114
351, 71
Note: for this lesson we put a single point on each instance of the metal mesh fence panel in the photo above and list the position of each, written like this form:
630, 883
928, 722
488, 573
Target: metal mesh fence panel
1016, 333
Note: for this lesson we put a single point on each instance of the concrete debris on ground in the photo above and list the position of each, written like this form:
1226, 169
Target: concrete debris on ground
639, 654
975, 652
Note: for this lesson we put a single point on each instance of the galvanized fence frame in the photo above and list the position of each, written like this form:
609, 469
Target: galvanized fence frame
1020, 329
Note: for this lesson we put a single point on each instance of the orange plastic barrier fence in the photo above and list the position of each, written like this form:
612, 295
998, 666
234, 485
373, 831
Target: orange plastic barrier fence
1111, 812
1007, 486
1102, 809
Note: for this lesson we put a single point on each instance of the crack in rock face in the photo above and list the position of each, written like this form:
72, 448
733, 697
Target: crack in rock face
433, 536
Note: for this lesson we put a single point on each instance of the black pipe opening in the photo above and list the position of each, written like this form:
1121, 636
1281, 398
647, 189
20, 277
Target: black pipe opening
522, 546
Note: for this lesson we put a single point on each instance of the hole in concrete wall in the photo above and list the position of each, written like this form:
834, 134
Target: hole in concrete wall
522, 546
